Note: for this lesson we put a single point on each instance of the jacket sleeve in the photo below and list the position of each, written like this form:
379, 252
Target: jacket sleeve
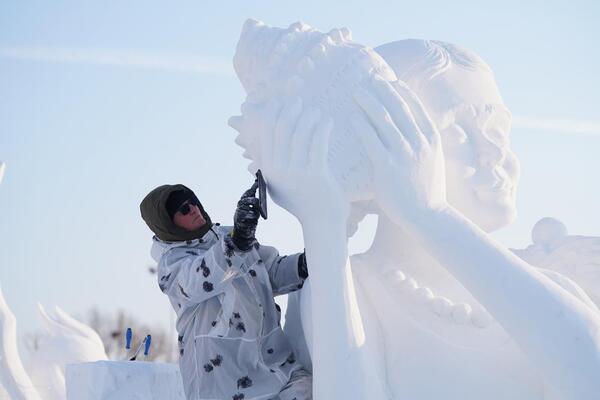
283, 271
191, 276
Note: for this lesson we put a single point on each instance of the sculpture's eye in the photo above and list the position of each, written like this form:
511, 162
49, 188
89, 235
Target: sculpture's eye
498, 136
454, 135
497, 129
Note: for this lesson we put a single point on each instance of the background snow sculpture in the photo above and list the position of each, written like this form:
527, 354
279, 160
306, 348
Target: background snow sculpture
12, 374
446, 311
67, 341
574, 256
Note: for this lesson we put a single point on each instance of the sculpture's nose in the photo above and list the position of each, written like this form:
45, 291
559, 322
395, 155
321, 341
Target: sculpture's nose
490, 154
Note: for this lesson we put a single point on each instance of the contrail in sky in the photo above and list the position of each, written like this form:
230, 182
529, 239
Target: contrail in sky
161, 61
558, 125
192, 63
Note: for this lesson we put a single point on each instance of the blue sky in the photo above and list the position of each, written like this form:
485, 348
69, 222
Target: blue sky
102, 101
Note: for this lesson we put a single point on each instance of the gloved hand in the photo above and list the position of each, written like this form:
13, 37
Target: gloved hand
245, 219
302, 267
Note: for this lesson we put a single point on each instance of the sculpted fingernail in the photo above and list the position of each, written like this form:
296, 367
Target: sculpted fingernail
246, 107
235, 122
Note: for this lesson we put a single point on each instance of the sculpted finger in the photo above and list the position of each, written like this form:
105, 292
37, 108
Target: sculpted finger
284, 130
368, 137
235, 122
320, 144
400, 112
381, 120
302, 136
426, 125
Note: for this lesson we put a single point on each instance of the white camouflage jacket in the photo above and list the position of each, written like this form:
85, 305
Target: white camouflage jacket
230, 339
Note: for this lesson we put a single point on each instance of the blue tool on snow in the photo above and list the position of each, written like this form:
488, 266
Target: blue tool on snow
147, 346
128, 337
137, 351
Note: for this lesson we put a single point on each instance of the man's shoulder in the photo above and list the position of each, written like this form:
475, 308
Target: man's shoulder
222, 229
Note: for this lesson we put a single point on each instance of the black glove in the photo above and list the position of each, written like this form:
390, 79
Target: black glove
245, 219
302, 267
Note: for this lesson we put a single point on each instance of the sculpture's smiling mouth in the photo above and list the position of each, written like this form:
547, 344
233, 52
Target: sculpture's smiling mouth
498, 186
494, 182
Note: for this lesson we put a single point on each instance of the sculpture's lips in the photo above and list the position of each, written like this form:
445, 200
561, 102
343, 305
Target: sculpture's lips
495, 181
498, 187
501, 185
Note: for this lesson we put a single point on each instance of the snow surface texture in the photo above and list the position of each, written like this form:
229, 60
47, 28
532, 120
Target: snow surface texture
435, 309
126, 380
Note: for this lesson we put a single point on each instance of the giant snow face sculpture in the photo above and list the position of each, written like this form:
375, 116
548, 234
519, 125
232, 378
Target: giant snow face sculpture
446, 312
459, 92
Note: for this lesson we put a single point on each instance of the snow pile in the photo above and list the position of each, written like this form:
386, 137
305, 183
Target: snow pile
124, 380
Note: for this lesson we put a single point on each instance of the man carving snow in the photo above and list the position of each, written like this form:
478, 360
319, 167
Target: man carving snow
221, 283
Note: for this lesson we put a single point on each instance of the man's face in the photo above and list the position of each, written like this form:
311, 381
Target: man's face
192, 220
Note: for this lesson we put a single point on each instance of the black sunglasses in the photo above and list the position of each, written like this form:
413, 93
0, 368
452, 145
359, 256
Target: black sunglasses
185, 208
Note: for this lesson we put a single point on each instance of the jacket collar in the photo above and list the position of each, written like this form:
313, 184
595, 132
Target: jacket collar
160, 247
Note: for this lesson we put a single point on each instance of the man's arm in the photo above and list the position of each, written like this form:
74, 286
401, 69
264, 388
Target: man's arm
286, 273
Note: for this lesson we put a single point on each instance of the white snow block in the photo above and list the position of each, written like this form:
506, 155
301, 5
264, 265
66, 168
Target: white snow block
124, 380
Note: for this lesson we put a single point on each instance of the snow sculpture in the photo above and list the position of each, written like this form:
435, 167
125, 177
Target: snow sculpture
445, 311
574, 256
66, 341
12, 374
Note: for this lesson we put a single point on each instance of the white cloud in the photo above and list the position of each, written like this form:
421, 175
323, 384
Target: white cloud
558, 125
130, 59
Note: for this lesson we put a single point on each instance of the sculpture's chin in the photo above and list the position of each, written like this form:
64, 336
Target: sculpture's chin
489, 211
493, 215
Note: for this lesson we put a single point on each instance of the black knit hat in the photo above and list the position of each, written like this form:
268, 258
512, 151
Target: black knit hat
177, 198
